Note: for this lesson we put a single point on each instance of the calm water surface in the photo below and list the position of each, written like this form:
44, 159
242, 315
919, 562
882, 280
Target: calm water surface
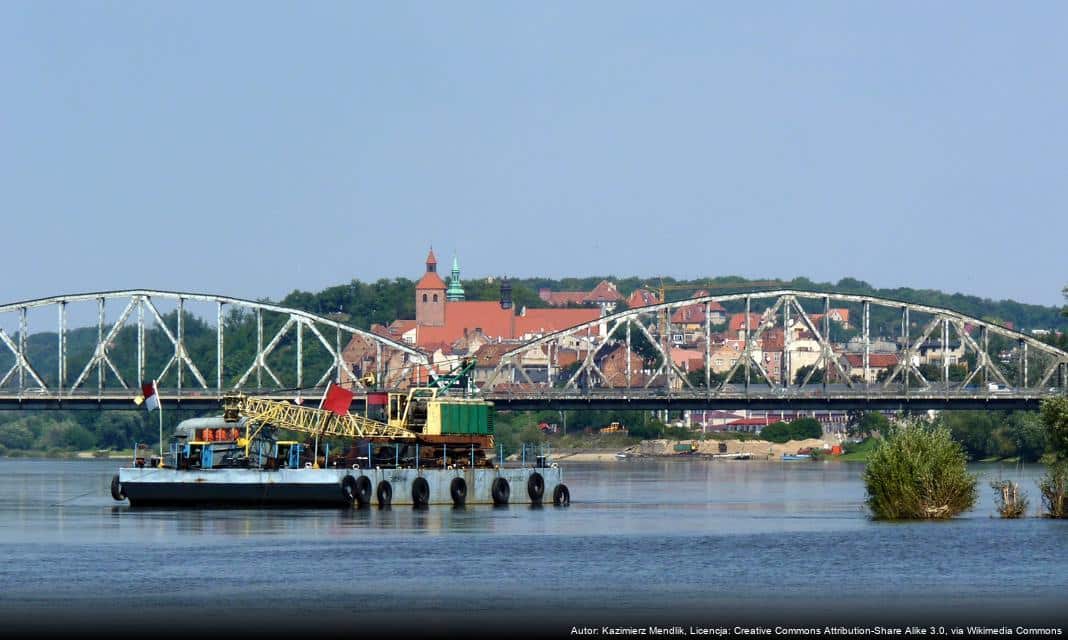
648, 542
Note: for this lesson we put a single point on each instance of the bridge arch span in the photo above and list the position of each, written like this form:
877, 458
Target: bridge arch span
774, 335
120, 357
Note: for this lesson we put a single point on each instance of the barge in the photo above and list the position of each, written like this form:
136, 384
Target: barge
421, 447
149, 486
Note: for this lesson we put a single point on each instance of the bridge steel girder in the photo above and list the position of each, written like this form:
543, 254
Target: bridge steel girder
40, 392
782, 304
511, 402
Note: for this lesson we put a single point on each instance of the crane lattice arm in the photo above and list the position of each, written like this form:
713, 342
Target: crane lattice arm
284, 415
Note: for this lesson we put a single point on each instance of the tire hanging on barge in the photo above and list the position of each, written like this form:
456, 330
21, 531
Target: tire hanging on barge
420, 493
117, 491
561, 495
535, 487
363, 491
384, 493
500, 491
348, 488
458, 492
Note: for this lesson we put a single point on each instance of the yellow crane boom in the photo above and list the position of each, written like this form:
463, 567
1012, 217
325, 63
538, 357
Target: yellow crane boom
260, 412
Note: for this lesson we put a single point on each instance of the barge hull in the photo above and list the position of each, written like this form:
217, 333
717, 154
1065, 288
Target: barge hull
322, 487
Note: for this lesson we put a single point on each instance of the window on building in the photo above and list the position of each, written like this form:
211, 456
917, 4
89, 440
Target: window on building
435, 297
424, 297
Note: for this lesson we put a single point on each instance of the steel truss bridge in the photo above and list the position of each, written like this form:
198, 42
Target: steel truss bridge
622, 360
1005, 369
294, 355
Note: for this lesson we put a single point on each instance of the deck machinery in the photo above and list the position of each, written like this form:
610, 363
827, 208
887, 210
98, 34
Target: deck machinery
418, 447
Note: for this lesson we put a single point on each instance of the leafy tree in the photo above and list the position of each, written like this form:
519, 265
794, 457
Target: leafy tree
1029, 435
639, 344
868, 424
805, 428
66, 435
1054, 413
778, 432
15, 436
800, 429
697, 378
1054, 486
802, 373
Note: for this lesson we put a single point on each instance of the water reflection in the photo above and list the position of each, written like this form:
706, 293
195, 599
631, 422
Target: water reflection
675, 534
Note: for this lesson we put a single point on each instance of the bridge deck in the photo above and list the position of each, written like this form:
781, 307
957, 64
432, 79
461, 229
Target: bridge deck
598, 399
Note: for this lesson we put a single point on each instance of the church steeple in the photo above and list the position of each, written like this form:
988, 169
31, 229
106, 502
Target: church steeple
455, 292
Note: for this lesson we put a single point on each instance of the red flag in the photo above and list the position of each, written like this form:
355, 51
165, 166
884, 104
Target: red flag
337, 400
148, 396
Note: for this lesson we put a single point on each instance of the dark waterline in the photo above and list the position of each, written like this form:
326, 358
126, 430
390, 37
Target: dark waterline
644, 543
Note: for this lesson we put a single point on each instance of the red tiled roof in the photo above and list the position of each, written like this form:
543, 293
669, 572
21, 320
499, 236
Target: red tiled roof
692, 314
695, 313
488, 316
549, 320
641, 298
400, 327
737, 322
841, 313
430, 280
744, 422
605, 291
561, 298
875, 360
445, 347
431, 258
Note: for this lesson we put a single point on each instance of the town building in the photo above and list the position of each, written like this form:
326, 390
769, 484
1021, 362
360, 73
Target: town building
448, 327
605, 296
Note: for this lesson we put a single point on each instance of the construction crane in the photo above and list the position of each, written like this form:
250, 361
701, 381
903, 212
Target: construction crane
421, 415
459, 377
260, 412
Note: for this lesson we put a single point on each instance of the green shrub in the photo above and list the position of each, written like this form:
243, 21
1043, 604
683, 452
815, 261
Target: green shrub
918, 472
15, 436
800, 429
776, 432
805, 429
1054, 488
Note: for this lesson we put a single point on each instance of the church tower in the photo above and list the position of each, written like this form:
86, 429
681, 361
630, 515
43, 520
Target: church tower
456, 288
430, 296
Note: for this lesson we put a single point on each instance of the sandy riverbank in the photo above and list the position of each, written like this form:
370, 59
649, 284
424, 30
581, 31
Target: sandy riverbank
758, 449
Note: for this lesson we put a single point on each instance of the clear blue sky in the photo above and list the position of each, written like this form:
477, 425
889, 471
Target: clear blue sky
253, 148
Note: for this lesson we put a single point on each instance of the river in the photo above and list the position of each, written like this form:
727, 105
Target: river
645, 542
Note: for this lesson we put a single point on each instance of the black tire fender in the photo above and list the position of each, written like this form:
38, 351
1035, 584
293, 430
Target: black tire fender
117, 490
348, 488
458, 491
384, 493
420, 492
500, 491
363, 491
535, 487
561, 495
